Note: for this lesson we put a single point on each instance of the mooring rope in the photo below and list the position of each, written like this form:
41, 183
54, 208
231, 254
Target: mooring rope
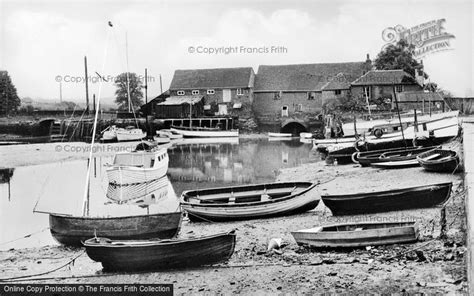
42, 273
25, 236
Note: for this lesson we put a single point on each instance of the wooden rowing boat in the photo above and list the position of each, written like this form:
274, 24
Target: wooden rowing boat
249, 201
366, 158
400, 164
129, 255
439, 160
425, 196
73, 230
355, 235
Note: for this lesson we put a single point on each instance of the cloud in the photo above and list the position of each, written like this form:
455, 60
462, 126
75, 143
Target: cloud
52, 39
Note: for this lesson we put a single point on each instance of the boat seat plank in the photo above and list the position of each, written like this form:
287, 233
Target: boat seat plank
432, 156
445, 158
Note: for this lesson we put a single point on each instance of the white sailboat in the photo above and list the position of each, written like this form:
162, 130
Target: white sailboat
138, 166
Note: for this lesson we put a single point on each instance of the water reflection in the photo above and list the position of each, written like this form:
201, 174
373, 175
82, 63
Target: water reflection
198, 165
5, 176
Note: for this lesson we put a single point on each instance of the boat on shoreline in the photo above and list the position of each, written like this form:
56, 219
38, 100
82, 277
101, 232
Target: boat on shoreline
133, 255
73, 230
397, 155
439, 160
355, 235
425, 196
204, 132
249, 201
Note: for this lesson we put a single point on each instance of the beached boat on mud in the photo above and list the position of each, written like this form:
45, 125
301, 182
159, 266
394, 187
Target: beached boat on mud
249, 201
204, 132
397, 155
399, 164
367, 157
138, 167
136, 255
439, 160
388, 200
72, 230
354, 235
431, 133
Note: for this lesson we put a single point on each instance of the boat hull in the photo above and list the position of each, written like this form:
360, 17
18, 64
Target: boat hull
392, 200
301, 202
122, 175
72, 231
206, 134
448, 162
161, 255
126, 136
357, 235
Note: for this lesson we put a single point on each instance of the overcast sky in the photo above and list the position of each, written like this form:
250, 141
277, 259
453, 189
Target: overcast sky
41, 40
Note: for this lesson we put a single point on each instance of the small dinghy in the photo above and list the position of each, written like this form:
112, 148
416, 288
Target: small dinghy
439, 160
399, 164
249, 201
137, 255
397, 159
355, 235
368, 157
280, 135
425, 196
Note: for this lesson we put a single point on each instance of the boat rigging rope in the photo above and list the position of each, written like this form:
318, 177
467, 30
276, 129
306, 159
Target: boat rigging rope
25, 236
16, 278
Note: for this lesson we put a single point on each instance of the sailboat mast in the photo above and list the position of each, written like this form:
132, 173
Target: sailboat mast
85, 204
128, 74
399, 117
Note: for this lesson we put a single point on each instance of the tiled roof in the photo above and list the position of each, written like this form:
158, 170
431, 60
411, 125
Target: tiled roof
385, 77
340, 81
419, 96
304, 77
179, 100
212, 78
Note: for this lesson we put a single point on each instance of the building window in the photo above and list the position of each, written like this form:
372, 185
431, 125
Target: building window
310, 96
180, 92
284, 111
211, 91
399, 88
337, 92
277, 96
299, 108
367, 91
195, 92
240, 92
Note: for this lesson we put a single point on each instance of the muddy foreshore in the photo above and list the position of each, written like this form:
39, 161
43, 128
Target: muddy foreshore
432, 265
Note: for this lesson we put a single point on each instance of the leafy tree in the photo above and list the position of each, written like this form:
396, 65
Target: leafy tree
9, 100
136, 94
398, 56
346, 104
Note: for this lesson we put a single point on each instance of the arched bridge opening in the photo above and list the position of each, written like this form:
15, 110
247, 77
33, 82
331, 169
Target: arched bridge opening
295, 128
